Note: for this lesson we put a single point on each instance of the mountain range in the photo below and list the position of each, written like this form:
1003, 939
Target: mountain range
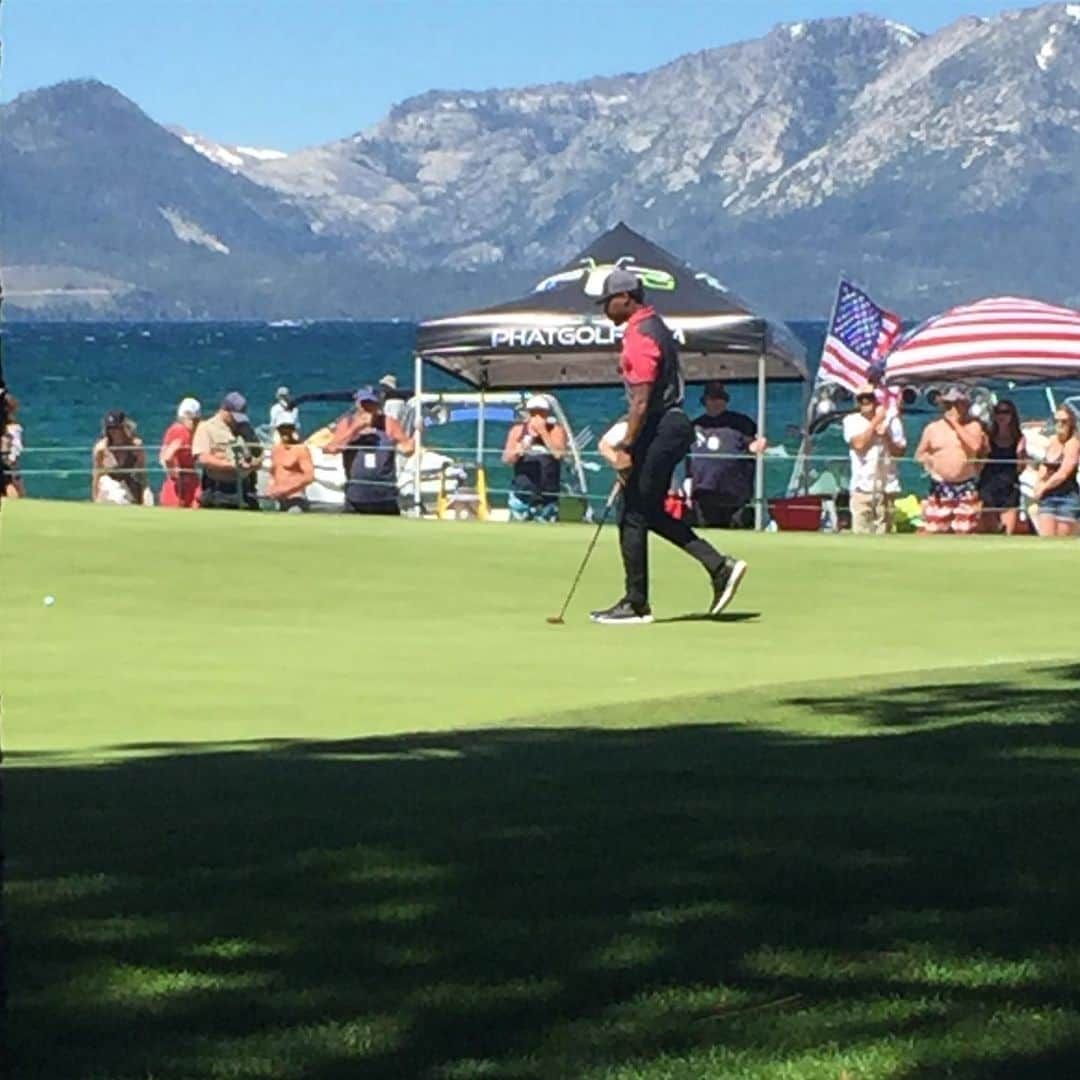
932, 168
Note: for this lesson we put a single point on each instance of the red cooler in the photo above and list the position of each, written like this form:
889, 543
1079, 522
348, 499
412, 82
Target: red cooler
798, 513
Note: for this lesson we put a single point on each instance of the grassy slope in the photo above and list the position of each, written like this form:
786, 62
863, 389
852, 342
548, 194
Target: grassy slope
665, 867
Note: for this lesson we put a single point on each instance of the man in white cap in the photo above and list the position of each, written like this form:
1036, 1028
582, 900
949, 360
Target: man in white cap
875, 438
952, 450
393, 403
658, 437
283, 412
535, 447
181, 485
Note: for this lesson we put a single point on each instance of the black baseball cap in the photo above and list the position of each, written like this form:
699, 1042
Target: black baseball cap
715, 389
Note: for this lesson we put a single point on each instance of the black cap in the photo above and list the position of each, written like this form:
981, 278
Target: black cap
114, 419
619, 281
715, 389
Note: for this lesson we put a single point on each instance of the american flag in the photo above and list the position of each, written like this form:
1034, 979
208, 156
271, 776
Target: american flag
1004, 337
859, 337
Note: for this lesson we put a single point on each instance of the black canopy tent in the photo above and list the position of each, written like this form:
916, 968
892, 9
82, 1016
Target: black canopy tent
556, 336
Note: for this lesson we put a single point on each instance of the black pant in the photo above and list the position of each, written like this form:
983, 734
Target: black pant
390, 509
215, 498
721, 511
662, 444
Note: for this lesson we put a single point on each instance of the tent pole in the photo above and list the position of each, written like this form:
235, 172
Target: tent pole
759, 460
801, 473
480, 429
418, 433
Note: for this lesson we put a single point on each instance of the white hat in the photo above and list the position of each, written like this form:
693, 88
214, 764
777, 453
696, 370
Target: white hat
188, 407
538, 401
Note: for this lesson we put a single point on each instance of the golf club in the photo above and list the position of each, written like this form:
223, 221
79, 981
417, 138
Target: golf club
558, 620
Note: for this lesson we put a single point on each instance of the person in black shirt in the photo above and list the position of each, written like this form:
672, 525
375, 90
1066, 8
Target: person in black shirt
720, 465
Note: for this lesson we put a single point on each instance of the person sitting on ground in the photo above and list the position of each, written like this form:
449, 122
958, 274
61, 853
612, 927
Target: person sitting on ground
227, 459
999, 481
951, 450
720, 468
181, 485
1056, 490
11, 448
118, 464
535, 447
875, 436
291, 469
368, 441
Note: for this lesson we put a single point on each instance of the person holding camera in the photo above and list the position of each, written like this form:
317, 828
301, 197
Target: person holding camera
228, 457
875, 438
535, 447
369, 442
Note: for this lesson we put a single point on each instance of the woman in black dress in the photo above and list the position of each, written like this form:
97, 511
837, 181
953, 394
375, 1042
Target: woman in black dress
999, 481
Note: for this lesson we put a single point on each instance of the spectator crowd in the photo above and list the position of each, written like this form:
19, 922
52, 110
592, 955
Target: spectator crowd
212, 462
974, 467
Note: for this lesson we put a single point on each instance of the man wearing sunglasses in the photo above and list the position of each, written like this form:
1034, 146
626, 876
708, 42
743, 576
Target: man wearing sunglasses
875, 438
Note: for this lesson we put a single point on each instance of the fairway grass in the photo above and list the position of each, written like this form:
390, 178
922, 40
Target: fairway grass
328, 798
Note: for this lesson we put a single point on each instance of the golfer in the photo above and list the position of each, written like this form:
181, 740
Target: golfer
658, 436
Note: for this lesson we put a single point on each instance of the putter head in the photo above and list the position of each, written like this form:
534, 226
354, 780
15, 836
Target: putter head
556, 620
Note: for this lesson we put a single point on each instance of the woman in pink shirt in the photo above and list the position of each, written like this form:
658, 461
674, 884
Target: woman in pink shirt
181, 486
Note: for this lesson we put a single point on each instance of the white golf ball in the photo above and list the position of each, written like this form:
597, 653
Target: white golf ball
49, 601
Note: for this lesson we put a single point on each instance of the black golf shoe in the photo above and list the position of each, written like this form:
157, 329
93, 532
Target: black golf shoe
624, 614
725, 582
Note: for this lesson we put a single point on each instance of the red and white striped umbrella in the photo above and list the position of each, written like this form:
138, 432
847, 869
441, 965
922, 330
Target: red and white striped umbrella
1004, 337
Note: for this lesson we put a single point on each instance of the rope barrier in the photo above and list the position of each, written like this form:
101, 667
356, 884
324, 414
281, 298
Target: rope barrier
469, 454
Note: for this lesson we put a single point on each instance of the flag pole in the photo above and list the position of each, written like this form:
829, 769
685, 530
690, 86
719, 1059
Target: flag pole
802, 459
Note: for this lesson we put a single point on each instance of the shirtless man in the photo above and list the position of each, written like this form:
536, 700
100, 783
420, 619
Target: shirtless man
291, 468
951, 450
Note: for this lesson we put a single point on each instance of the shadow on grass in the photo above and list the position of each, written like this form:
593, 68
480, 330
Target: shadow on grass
722, 900
906, 706
723, 617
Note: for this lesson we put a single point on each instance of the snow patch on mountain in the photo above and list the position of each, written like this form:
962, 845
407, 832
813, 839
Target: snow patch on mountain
1049, 48
233, 158
190, 232
906, 33
261, 153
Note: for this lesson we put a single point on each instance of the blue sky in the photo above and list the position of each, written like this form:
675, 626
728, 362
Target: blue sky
289, 73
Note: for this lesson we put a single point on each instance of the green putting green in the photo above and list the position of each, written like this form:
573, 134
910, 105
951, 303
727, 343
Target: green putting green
199, 627
322, 797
